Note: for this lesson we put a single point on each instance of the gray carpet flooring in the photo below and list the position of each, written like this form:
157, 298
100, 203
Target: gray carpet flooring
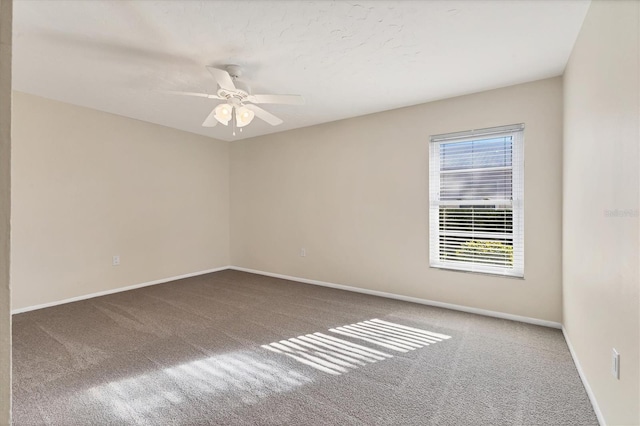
233, 348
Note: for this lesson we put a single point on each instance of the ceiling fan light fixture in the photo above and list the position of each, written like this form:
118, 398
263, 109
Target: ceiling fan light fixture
223, 113
244, 116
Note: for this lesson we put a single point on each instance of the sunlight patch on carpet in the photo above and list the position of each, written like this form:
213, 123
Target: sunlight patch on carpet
389, 335
234, 378
336, 356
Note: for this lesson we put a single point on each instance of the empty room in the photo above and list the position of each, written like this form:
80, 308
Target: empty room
319, 212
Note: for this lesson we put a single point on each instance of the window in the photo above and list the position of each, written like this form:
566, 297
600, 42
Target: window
476, 213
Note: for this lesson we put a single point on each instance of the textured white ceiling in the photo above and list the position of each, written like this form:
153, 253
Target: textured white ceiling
346, 58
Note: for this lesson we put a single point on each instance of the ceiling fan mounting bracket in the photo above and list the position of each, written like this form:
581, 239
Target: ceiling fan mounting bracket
235, 71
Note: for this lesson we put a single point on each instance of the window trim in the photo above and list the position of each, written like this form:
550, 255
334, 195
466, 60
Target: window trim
517, 201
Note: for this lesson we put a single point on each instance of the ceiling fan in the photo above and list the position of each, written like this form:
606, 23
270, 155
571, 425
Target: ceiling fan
239, 107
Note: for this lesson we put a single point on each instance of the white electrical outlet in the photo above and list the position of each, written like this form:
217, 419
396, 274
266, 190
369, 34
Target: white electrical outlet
615, 364
303, 252
116, 260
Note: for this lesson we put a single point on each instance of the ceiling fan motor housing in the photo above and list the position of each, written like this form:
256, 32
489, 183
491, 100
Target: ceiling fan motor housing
236, 96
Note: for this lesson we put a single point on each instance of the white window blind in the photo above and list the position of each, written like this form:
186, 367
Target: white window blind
476, 189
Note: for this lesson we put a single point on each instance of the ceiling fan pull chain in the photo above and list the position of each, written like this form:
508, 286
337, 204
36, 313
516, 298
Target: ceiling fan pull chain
233, 119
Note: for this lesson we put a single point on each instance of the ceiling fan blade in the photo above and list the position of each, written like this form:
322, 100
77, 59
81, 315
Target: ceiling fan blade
210, 121
264, 115
107, 46
196, 94
277, 99
223, 78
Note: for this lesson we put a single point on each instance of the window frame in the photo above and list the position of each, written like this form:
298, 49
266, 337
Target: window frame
516, 131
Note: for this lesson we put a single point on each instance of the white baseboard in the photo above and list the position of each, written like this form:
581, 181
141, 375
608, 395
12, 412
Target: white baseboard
115, 290
592, 397
478, 311
468, 309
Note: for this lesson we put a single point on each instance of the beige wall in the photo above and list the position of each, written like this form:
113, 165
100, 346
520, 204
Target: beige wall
354, 193
600, 274
5, 209
88, 185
